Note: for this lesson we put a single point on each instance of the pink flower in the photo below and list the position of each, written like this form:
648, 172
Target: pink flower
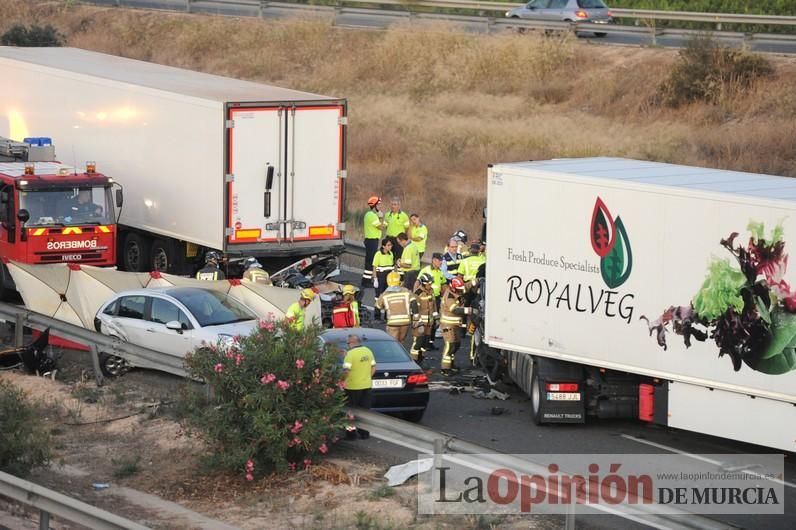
341, 384
323, 449
267, 325
299, 363
328, 392
218, 368
292, 466
249, 477
249, 466
283, 385
296, 427
238, 359
790, 303
267, 378
295, 441
307, 463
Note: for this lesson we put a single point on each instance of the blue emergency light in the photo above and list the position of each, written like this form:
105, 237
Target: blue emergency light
38, 141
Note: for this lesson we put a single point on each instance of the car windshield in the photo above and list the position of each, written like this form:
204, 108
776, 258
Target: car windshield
69, 206
591, 4
211, 308
385, 351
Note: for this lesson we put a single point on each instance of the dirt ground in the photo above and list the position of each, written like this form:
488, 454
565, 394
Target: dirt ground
120, 447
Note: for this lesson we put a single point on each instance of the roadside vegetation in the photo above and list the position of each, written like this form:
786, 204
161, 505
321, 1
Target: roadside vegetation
431, 106
24, 440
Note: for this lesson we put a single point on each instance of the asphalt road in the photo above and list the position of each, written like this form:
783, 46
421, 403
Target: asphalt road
376, 19
512, 431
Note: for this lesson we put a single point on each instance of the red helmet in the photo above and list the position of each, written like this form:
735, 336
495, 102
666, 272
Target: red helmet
457, 284
373, 201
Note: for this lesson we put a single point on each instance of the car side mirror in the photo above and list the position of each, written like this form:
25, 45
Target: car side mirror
23, 215
174, 325
119, 198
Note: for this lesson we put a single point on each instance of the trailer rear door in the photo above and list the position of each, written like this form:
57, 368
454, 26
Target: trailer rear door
284, 171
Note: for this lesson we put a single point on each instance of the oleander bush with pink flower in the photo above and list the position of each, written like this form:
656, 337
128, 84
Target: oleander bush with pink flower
273, 401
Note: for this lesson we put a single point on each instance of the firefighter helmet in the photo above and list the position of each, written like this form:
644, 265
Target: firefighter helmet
460, 235
373, 201
349, 289
457, 284
308, 294
252, 262
393, 279
212, 257
425, 278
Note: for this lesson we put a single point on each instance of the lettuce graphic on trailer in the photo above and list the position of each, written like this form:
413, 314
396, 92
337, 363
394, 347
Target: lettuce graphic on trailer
609, 241
750, 311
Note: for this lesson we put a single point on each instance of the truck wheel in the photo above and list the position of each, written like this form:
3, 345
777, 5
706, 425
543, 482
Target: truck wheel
111, 365
536, 398
162, 256
135, 255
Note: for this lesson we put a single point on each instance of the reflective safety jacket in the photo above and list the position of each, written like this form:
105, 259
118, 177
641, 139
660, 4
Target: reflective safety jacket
399, 304
346, 315
410, 259
468, 267
426, 306
383, 262
372, 225
451, 312
396, 223
420, 237
295, 313
437, 275
210, 272
256, 275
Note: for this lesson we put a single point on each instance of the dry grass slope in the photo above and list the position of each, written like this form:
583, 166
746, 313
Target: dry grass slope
430, 106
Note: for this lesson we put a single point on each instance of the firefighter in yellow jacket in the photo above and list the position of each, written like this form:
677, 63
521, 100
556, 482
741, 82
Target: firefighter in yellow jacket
451, 313
426, 309
400, 306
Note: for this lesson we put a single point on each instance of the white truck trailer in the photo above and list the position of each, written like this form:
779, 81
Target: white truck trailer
206, 162
601, 273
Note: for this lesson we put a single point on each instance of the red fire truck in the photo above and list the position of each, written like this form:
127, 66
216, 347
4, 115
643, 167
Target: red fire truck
50, 212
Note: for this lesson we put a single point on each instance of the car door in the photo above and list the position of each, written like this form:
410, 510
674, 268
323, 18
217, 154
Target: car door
128, 324
556, 10
535, 9
177, 343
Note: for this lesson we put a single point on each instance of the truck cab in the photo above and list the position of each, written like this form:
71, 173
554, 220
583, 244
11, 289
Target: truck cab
51, 212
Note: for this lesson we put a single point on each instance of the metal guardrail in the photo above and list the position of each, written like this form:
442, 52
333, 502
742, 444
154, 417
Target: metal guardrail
138, 356
50, 502
427, 441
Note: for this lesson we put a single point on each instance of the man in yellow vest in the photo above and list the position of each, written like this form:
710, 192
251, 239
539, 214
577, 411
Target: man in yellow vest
400, 305
372, 226
396, 221
383, 264
295, 313
409, 262
418, 233
254, 272
468, 267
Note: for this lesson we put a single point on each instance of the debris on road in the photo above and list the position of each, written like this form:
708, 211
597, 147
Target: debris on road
399, 474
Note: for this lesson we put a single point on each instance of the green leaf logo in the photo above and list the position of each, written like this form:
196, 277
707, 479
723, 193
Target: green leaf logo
618, 264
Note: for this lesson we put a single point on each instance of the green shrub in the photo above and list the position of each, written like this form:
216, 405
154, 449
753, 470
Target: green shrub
19, 35
708, 71
273, 401
24, 441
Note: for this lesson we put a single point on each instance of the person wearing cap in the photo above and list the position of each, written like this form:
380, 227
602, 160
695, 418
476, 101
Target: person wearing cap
409, 262
373, 224
423, 319
418, 233
346, 313
468, 267
383, 264
396, 221
295, 313
254, 272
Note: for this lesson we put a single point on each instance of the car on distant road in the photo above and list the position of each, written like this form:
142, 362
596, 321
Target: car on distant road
399, 386
171, 320
594, 11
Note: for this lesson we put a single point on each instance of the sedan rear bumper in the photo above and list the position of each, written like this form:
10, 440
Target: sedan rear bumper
400, 400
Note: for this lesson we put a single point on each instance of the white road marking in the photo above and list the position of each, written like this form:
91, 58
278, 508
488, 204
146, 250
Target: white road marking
704, 459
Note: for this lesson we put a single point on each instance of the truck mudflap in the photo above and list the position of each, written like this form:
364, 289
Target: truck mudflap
558, 392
